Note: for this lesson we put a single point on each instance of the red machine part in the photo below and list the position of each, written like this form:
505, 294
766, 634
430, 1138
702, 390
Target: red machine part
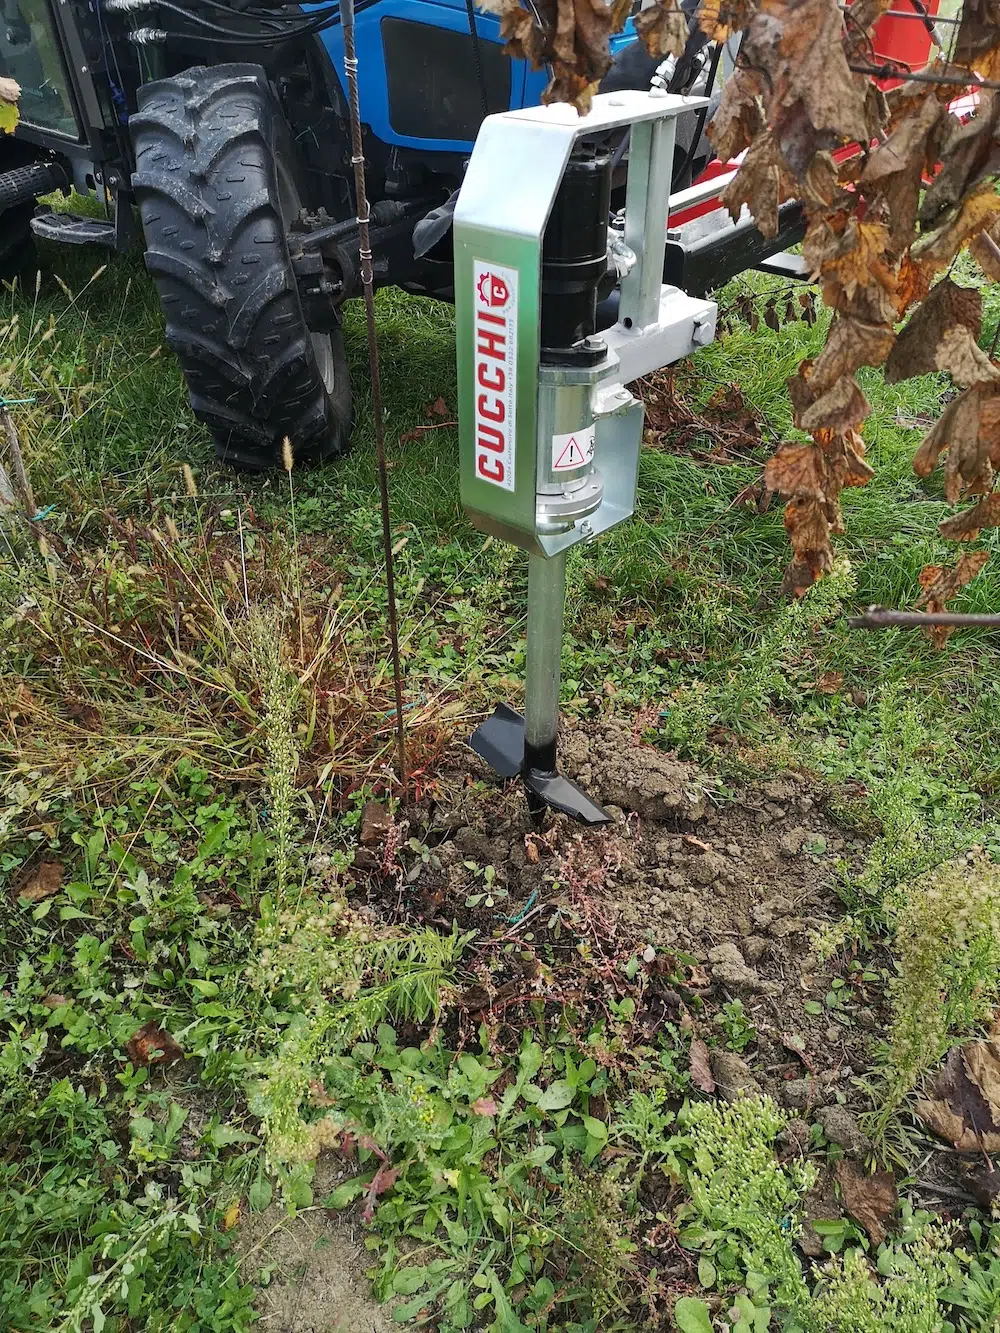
900, 37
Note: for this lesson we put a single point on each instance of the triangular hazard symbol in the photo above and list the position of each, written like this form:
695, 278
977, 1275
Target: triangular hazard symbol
571, 456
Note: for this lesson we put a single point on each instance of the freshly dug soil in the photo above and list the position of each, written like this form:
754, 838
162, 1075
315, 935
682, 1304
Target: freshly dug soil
725, 887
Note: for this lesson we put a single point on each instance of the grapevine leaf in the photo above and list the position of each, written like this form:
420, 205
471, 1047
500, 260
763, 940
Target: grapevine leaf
895, 167
947, 307
662, 28
968, 470
569, 36
961, 356
849, 258
966, 526
977, 212
968, 152
985, 249
762, 183
850, 344
843, 407
797, 469
809, 524
719, 19
977, 35
739, 118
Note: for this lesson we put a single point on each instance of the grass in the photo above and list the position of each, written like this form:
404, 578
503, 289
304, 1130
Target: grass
196, 705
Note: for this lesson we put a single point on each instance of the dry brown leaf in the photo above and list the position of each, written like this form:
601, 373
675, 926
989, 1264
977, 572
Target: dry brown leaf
813, 44
968, 151
800, 43
831, 682
967, 469
45, 880
982, 1063
977, 32
985, 249
662, 28
153, 1045
842, 408
961, 356
797, 469
809, 527
739, 118
964, 1105
846, 459
905, 147
701, 1069
941, 584
947, 306
896, 166
976, 213
850, 259
819, 187
989, 423
850, 344
937, 439
802, 146
966, 526
719, 19
571, 37
763, 182
866, 12
869, 1198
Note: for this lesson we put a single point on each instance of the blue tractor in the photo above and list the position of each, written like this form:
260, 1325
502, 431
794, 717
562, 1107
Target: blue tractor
216, 132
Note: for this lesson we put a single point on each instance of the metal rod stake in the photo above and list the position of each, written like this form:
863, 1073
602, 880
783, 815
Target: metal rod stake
546, 602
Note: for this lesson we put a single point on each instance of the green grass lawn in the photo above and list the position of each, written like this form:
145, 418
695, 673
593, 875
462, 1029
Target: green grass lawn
193, 752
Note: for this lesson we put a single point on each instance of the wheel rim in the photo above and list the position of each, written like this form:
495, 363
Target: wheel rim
323, 349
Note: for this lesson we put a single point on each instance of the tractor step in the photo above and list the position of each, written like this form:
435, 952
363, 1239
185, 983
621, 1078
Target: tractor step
72, 229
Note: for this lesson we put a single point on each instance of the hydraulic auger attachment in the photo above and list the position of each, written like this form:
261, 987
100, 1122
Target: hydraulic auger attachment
550, 435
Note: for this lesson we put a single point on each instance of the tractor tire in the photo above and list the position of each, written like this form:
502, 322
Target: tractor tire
18, 255
216, 186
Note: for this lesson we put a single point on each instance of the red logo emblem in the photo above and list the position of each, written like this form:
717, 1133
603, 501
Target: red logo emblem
493, 291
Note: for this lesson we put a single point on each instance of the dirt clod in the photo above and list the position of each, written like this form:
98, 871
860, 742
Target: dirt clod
791, 843
732, 1076
842, 1128
730, 969
803, 1094
619, 772
376, 821
796, 1137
